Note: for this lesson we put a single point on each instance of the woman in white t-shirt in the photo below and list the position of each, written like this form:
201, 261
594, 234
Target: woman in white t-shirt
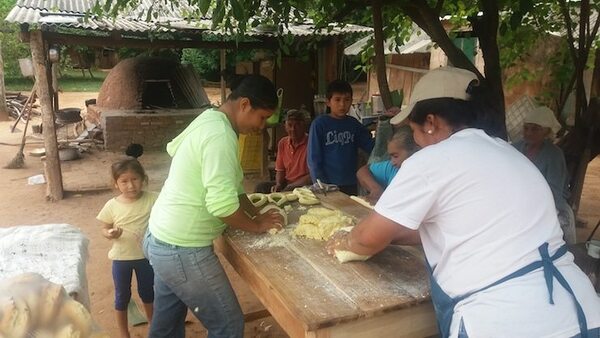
486, 219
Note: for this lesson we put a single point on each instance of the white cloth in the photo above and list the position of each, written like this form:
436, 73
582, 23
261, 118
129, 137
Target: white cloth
58, 252
543, 116
482, 210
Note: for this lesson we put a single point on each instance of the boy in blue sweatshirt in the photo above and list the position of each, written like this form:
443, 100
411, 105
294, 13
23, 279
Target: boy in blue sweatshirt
334, 139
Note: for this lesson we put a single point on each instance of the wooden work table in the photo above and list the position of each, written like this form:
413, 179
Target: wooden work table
311, 294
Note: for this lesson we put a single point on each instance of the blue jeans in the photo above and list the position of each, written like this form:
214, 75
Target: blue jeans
191, 278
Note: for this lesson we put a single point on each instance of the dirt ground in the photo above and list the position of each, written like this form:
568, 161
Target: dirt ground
89, 182
23, 204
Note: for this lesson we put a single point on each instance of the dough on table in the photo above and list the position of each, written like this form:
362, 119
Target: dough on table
348, 256
306, 196
344, 256
321, 223
258, 199
283, 214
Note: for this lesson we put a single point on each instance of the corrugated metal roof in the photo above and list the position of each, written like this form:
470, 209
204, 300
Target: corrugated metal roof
70, 13
71, 6
419, 42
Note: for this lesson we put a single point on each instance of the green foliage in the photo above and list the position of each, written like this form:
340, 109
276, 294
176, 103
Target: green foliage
70, 81
207, 61
204, 61
12, 48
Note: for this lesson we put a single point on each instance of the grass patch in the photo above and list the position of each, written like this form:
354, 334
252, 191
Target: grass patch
71, 81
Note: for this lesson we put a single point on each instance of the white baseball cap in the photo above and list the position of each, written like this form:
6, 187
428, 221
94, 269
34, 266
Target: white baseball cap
542, 116
443, 82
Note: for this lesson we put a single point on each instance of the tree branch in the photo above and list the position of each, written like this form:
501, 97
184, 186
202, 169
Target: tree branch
569, 24
592, 36
426, 18
439, 6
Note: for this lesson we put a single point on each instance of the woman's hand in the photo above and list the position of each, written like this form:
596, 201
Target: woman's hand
392, 111
374, 196
338, 241
268, 220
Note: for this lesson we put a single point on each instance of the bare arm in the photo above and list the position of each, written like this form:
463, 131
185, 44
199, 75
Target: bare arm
258, 223
247, 206
367, 181
109, 232
372, 235
279, 180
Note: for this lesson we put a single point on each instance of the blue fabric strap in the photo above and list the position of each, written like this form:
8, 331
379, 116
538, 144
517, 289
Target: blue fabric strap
550, 272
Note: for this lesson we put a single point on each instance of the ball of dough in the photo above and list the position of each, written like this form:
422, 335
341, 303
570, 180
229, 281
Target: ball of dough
277, 198
291, 197
258, 199
302, 191
307, 200
344, 256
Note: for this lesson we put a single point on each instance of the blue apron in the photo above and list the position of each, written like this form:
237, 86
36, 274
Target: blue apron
444, 304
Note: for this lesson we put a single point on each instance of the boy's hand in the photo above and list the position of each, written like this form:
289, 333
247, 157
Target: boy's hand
392, 111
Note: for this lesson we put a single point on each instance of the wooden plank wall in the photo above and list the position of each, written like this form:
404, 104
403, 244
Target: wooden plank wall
401, 79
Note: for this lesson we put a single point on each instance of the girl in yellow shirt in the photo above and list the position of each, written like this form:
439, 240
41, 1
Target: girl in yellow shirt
124, 220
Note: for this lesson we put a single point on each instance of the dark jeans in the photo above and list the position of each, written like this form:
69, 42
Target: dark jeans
122, 272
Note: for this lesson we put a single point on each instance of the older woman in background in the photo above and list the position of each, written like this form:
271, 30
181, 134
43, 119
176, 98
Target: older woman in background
540, 127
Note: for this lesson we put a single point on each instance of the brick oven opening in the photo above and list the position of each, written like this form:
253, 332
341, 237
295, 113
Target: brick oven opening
158, 94
147, 100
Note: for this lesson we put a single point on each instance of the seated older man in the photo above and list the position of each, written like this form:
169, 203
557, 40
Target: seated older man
291, 169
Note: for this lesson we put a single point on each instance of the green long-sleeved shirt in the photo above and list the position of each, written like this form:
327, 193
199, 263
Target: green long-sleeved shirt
203, 184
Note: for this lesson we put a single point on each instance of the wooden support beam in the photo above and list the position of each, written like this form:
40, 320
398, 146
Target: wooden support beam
114, 41
54, 185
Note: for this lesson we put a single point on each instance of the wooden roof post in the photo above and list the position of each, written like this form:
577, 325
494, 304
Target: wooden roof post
54, 184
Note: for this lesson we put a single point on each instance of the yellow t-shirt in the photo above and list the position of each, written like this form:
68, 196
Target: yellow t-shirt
133, 219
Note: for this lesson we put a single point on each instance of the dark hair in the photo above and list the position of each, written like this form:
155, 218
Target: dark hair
131, 163
473, 113
456, 112
403, 136
257, 88
134, 150
339, 87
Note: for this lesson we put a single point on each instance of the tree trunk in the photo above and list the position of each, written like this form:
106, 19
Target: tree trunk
428, 19
380, 66
3, 107
54, 185
486, 29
